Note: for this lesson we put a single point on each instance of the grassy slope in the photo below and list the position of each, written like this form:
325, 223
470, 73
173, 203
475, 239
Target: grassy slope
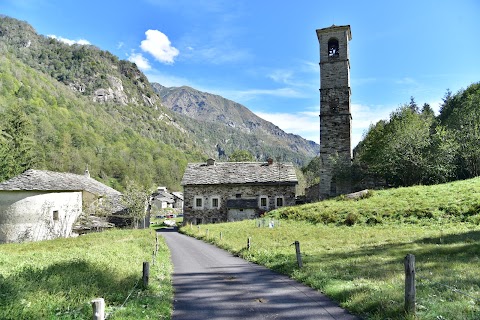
57, 279
457, 201
361, 266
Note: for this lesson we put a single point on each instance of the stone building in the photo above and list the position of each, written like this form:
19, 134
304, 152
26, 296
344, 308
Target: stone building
232, 191
335, 115
163, 199
40, 205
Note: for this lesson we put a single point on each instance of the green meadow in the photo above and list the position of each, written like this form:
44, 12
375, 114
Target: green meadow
354, 250
57, 279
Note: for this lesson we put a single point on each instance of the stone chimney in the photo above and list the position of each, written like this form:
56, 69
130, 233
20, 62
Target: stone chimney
211, 162
87, 173
270, 161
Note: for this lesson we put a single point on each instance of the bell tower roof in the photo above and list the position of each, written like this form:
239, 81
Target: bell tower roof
333, 29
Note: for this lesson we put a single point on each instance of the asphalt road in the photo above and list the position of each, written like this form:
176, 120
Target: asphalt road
211, 283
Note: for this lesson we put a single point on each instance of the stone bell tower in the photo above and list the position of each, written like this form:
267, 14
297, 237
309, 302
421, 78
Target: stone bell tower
335, 116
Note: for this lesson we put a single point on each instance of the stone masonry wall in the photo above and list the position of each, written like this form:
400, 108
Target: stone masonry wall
335, 116
207, 214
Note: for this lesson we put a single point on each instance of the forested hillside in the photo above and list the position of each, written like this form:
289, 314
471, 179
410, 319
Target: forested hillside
51, 120
64, 107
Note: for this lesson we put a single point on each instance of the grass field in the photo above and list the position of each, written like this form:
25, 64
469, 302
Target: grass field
57, 279
359, 263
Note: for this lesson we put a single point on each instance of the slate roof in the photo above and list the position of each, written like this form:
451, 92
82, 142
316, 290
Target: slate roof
179, 195
239, 173
42, 180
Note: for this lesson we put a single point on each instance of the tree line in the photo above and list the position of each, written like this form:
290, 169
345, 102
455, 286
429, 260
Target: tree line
414, 146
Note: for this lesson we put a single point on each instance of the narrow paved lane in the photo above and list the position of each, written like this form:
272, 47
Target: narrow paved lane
210, 283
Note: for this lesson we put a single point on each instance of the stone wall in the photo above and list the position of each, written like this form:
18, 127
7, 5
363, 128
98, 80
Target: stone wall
37, 215
208, 214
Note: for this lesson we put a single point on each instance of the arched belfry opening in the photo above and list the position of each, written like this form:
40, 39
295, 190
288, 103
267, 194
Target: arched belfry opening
335, 116
333, 48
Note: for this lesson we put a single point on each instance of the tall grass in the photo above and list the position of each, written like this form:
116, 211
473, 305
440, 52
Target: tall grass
57, 279
458, 201
360, 265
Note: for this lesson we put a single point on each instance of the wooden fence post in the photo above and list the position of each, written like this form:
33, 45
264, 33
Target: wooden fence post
410, 291
221, 235
146, 273
206, 233
299, 256
98, 306
249, 240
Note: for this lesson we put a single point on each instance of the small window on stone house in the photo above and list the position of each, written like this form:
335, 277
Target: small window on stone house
279, 202
238, 195
198, 221
263, 202
55, 215
333, 48
215, 203
198, 203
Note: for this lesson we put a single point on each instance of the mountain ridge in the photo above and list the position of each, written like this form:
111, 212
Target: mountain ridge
216, 109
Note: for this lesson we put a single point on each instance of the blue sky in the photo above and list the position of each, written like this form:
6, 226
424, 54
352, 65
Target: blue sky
264, 54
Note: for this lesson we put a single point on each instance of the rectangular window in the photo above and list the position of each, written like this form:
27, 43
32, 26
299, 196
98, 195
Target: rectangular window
279, 202
263, 201
215, 203
55, 215
238, 195
198, 221
198, 203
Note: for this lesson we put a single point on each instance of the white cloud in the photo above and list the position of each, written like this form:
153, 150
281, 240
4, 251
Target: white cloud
435, 105
407, 81
310, 67
245, 95
216, 53
167, 80
159, 46
140, 61
298, 76
282, 76
305, 124
68, 41
363, 116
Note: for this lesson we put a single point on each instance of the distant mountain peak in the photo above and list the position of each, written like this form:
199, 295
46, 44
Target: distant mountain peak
219, 111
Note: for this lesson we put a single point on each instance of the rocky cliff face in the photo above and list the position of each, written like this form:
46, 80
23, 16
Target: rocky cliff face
83, 68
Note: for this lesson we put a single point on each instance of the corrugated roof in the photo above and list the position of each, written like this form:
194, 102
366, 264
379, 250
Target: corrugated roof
43, 180
239, 173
